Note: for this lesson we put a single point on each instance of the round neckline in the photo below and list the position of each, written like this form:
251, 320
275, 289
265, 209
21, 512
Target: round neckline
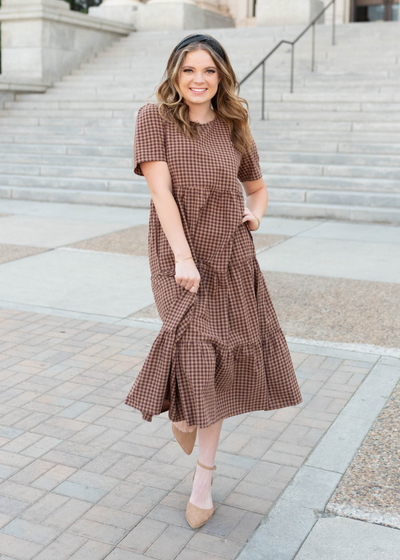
207, 123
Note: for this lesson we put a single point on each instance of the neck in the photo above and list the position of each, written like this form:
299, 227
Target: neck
201, 114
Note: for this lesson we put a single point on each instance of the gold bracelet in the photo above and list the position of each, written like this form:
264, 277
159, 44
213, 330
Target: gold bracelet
183, 259
258, 220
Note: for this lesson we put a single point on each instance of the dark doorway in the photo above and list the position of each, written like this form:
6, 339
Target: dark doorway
375, 10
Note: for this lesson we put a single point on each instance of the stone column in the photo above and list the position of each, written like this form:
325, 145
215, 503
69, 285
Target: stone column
117, 10
342, 14
162, 15
171, 2
287, 12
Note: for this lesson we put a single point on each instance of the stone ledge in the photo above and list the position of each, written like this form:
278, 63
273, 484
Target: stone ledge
15, 86
73, 18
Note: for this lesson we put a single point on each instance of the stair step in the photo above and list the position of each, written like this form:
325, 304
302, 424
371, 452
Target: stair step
332, 183
275, 208
331, 149
102, 156
74, 183
59, 128
119, 166
337, 159
46, 100
327, 171
130, 110
67, 160
16, 150
281, 100
76, 196
290, 187
334, 212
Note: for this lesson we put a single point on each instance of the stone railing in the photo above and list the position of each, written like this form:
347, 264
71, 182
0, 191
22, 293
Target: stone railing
8, 90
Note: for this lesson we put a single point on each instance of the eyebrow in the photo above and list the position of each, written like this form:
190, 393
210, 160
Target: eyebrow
186, 66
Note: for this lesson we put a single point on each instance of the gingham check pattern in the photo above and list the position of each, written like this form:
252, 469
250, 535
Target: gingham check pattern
220, 351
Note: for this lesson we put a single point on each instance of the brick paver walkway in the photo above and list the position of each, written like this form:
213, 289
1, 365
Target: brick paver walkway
84, 478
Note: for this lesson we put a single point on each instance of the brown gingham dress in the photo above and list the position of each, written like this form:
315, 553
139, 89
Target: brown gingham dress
220, 351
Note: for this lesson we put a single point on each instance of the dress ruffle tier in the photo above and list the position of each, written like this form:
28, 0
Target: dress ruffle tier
202, 374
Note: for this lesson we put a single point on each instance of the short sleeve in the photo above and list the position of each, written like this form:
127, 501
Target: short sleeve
249, 169
149, 144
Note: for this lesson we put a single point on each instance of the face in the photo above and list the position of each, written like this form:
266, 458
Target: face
198, 71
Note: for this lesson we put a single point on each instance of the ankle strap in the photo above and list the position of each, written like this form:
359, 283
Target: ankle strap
205, 466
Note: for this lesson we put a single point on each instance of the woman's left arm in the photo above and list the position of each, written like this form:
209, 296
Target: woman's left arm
257, 202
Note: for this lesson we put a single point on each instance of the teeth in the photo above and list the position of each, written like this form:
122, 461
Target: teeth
194, 89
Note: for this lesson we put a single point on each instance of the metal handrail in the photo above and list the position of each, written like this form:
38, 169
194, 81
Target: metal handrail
0, 42
312, 24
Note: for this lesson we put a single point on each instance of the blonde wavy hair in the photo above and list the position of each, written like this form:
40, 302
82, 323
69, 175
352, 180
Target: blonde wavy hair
226, 103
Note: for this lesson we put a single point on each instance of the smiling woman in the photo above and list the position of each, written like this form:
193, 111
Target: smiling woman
220, 351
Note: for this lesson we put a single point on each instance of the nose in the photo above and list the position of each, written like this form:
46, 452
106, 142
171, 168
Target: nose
198, 79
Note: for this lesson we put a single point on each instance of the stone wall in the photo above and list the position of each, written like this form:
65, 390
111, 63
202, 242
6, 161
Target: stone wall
42, 40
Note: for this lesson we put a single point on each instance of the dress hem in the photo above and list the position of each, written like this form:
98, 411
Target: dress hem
148, 417
167, 390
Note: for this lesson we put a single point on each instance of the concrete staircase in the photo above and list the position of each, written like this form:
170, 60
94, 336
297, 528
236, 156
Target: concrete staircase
331, 149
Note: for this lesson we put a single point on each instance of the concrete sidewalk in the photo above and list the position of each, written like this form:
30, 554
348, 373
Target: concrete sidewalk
297, 526
83, 477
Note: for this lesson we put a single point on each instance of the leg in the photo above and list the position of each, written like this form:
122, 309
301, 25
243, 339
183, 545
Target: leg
208, 443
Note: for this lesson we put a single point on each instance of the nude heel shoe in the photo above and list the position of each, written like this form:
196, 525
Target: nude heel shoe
196, 516
185, 439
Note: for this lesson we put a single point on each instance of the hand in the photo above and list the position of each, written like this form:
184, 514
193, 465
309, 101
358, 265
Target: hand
187, 275
249, 217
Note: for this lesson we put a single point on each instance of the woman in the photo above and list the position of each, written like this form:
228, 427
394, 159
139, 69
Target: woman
220, 351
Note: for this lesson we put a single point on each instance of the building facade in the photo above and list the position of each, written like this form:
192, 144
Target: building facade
181, 14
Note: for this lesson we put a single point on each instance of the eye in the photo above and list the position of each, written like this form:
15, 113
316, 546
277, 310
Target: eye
189, 70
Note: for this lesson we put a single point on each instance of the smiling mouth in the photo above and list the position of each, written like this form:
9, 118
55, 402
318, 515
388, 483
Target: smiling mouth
198, 90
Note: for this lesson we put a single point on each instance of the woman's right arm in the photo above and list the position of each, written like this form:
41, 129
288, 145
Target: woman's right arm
159, 181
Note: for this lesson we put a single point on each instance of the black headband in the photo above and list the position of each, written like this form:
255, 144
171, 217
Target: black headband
203, 39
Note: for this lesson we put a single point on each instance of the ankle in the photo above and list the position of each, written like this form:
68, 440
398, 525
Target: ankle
202, 473
203, 477
201, 484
